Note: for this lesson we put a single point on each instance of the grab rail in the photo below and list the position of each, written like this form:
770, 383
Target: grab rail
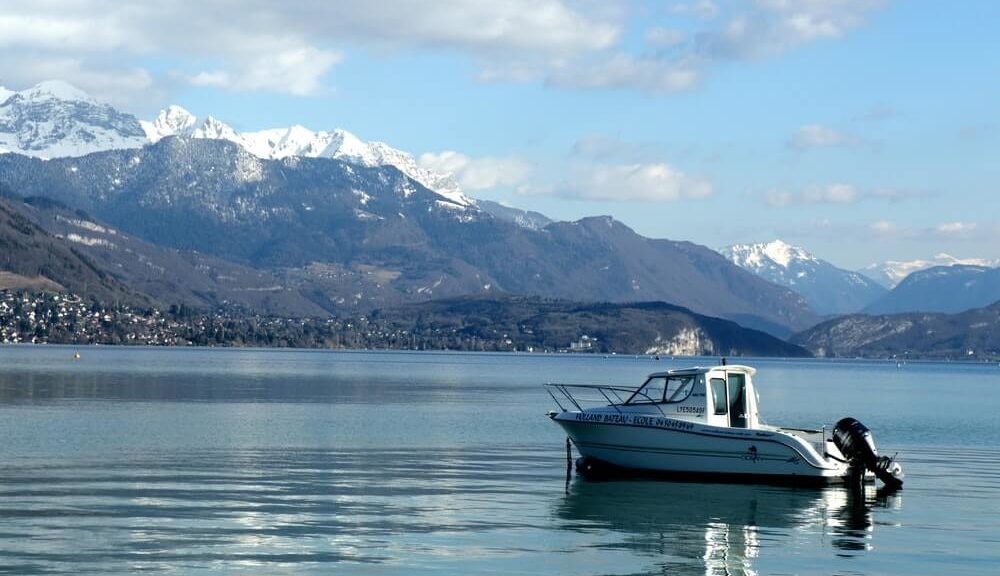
611, 394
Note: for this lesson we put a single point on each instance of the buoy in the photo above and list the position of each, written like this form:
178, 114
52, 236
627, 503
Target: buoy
76, 356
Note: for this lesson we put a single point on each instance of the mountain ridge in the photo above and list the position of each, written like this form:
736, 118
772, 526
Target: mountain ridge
825, 287
969, 335
215, 197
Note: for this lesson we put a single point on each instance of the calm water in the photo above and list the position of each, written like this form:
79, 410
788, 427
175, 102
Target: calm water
269, 462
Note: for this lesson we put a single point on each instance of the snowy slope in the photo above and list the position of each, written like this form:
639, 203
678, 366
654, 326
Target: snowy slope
892, 272
827, 289
54, 119
298, 140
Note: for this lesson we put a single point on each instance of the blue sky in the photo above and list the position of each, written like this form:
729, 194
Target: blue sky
863, 130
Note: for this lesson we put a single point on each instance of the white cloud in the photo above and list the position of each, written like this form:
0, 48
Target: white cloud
293, 47
956, 229
649, 74
481, 173
814, 194
773, 26
279, 47
297, 71
704, 9
819, 136
883, 227
654, 182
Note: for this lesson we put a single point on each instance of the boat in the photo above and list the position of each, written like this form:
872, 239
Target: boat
705, 422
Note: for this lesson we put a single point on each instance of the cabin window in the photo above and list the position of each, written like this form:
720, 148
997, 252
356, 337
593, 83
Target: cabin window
719, 396
663, 389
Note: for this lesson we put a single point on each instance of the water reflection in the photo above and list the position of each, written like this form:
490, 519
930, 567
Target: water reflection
720, 529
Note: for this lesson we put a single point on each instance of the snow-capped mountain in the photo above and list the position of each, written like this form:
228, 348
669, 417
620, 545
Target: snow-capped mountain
892, 272
278, 143
828, 289
950, 289
54, 119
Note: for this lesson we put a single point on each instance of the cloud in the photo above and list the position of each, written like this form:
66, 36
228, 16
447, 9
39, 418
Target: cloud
653, 182
653, 75
945, 231
704, 9
482, 173
297, 71
883, 228
774, 26
818, 136
956, 229
812, 195
278, 47
293, 47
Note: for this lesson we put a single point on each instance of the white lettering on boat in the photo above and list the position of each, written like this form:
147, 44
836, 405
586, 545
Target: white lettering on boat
635, 420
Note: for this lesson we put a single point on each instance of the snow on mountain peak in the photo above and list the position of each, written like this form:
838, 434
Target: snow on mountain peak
892, 272
172, 121
54, 119
56, 90
776, 252
214, 129
79, 125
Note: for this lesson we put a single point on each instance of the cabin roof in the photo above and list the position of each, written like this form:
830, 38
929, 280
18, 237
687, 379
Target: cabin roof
703, 369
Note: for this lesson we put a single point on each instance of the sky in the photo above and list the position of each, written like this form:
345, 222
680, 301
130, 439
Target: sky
862, 130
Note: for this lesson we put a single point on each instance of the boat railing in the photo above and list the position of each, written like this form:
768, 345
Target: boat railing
583, 396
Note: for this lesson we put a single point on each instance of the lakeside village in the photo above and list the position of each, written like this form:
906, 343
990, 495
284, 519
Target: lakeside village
44, 317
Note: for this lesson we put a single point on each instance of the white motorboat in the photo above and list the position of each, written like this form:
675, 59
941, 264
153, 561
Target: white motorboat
705, 422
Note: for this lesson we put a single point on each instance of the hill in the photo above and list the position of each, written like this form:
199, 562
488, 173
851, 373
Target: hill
33, 259
973, 334
546, 324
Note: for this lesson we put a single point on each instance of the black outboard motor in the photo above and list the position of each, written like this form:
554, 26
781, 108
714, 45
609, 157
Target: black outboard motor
854, 440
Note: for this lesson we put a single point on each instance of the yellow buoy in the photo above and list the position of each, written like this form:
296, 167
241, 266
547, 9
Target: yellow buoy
76, 356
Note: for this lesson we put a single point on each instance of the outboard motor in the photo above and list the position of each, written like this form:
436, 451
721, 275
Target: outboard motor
854, 440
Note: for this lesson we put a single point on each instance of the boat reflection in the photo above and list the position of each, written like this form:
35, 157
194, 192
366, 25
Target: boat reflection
720, 529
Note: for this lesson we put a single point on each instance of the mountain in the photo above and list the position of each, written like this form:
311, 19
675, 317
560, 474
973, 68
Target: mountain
176, 277
408, 242
33, 259
54, 119
941, 289
644, 328
973, 334
892, 272
523, 218
299, 141
827, 289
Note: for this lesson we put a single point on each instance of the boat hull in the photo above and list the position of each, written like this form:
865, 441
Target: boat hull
688, 449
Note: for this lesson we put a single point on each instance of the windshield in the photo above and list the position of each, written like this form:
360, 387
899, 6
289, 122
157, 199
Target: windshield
663, 389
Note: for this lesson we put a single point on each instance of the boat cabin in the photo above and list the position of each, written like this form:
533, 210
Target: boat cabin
717, 396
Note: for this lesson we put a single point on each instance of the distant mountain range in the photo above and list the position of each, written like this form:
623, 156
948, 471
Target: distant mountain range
351, 224
973, 334
941, 289
826, 288
892, 272
301, 222
214, 197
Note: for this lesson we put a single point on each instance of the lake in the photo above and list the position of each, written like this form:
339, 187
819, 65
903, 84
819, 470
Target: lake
191, 461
